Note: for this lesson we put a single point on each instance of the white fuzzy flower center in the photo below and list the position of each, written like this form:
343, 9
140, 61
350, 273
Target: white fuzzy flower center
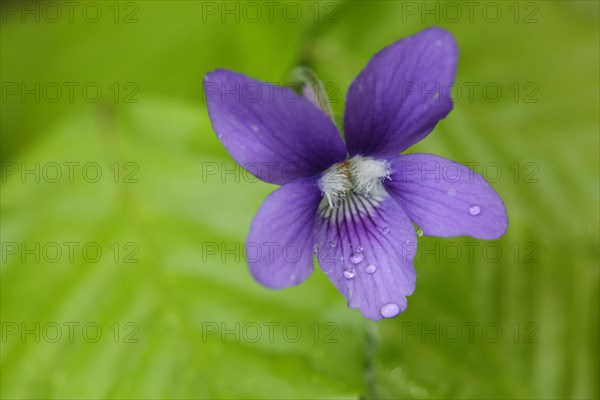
361, 175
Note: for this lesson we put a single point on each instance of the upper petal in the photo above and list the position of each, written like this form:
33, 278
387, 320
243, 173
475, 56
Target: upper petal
279, 244
401, 94
274, 133
446, 198
366, 247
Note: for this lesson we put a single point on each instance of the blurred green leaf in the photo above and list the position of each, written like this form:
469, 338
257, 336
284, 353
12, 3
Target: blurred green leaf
170, 209
201, 327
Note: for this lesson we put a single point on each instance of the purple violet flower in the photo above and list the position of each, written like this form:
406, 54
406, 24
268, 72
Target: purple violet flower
353, 204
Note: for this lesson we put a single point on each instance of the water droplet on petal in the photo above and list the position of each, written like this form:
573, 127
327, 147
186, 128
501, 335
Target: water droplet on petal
419, 232
370, 269
356, 257
315, 249
331, 244
451, 192
390, 310
360, 249
474, 210
349, 273
254, 128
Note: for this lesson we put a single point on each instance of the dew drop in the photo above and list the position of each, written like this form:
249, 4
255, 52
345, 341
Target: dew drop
349, 273
451, 192
390, 310
254, 128
474, 210
356, 257
419, 232
331, 244
370, 269
360, 249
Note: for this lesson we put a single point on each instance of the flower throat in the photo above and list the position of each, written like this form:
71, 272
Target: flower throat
358, 175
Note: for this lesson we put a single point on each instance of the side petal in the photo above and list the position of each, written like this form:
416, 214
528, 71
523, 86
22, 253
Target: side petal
401, 94
446, 198
273, 132
366, 247
279, 244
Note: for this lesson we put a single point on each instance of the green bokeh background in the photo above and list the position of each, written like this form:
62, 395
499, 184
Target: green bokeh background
542, 291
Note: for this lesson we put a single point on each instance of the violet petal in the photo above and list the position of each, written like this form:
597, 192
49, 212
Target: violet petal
279, 244
401, 94
445, 198
366, 248
273, 132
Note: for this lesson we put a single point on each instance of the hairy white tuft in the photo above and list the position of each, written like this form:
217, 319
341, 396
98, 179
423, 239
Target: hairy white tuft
361, 175
334, 183
366, 174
